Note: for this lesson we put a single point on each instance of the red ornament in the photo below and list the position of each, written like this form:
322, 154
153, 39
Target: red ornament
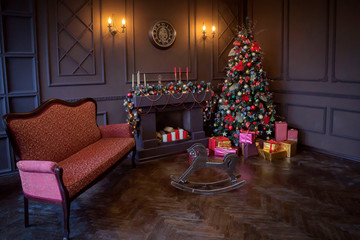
155, 92
232, 108
237, 101
254, 123
199, 86
171, 87
252, 107
231, 127
248, 64
226, 126
129, 94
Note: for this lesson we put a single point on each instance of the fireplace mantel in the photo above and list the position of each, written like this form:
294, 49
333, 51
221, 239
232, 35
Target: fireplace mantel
188, 107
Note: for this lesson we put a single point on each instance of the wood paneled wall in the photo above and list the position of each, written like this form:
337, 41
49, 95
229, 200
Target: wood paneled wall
70, 50
311, 54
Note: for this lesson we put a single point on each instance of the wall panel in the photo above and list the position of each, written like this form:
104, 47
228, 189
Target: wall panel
20, 81
347, 54
320, 94
308, 40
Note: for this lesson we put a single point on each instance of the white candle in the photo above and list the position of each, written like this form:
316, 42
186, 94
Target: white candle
138, 78
144, 80
132, 81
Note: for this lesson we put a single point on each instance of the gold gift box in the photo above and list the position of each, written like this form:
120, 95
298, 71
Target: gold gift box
274, 155
224, 144
274, 146
289, 146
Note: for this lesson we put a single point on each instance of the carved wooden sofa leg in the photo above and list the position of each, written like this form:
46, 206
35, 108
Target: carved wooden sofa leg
26, 211
133, 158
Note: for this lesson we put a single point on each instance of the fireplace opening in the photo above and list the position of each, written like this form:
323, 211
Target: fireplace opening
170, 126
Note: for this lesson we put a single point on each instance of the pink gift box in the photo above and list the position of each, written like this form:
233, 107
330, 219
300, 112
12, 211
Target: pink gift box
222, 151
280, 131
247, 137
293, 135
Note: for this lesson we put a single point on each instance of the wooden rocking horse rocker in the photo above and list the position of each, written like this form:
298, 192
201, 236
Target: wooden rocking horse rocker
198, 151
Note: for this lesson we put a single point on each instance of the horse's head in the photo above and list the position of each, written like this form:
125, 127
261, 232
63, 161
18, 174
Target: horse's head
196, 149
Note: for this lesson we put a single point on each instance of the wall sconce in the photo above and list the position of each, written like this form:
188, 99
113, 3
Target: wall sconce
112, 28
204, 32
213, 31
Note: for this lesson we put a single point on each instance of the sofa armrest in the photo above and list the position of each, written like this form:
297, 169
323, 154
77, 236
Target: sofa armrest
37, 166
122, 130
38, 179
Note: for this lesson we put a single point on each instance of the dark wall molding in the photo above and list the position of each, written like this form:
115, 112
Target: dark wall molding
332, 111
167, 76
325, 77
318, 94
324, 114
49, 52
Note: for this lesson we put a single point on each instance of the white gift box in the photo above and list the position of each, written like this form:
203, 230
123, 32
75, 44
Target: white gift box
164, 138
181, 133
173, 136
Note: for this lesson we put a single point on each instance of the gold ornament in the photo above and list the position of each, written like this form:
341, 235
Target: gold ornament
247, 71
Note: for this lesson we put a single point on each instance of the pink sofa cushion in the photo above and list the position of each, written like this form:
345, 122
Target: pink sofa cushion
38, 179
57, 133
89, 163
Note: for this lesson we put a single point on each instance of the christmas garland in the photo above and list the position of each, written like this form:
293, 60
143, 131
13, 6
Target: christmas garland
155, 92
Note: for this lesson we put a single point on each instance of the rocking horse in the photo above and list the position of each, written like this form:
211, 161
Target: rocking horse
198, 151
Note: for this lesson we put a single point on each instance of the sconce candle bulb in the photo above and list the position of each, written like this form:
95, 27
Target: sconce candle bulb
213, 31
204, 31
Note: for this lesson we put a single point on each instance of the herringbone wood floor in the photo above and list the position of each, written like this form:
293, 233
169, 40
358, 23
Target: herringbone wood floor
310, 196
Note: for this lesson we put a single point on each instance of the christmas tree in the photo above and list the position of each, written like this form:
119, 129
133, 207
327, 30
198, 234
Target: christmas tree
245, 101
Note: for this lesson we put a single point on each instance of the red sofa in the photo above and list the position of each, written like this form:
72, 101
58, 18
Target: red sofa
62, 151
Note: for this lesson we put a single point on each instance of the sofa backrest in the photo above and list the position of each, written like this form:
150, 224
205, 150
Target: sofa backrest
54, 131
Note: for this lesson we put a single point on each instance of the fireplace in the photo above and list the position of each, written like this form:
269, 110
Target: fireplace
177, 111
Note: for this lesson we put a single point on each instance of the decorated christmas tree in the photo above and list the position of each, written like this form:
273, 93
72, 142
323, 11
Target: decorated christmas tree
245, 102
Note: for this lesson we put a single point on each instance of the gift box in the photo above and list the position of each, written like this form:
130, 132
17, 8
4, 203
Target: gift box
219, 142
191, 157
249, 149
292, 135
259, 143
271, 146
289, 146
280, 131
222, 151
274, 155
247, 137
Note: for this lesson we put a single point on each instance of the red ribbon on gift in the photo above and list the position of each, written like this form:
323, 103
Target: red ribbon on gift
271, 143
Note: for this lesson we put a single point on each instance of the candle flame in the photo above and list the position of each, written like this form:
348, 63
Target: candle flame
123, 21
109, 20
213, 29
204, 27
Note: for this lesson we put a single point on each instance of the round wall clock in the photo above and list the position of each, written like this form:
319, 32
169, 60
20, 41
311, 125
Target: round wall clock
162, 34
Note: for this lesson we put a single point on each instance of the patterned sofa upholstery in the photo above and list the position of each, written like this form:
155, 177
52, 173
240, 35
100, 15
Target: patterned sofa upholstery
62, 151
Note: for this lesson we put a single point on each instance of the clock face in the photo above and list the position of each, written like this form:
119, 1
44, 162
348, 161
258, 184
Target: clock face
162, 34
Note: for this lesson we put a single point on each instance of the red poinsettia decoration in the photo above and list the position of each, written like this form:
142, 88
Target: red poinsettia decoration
236, 43
229, 118
255, 47
266, 120
238, 67
245, 98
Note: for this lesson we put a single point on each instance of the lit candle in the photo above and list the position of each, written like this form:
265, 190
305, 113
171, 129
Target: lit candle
179, 73
132, 81
187, 74
144, 80
175, 73
138, 78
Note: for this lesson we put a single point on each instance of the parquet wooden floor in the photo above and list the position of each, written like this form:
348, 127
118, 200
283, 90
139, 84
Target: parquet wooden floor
310, 196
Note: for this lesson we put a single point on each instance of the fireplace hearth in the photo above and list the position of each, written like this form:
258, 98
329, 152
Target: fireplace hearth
175, 110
